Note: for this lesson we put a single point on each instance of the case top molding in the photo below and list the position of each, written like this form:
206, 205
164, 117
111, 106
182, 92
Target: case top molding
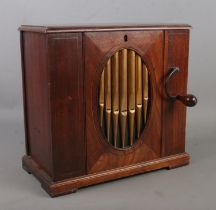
91, 28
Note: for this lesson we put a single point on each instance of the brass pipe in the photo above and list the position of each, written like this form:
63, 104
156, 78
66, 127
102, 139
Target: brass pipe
101, 97
108, 98
138, 94
115, 95
145, 92
123, 94
131, 93
124, 97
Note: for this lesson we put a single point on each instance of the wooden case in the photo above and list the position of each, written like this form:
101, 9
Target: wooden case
66, 148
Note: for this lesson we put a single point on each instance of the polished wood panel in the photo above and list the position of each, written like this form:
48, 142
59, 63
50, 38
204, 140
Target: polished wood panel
67, 105
174, 113
36, 99
149, 45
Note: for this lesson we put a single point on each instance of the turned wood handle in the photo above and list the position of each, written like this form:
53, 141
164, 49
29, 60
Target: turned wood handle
188, 100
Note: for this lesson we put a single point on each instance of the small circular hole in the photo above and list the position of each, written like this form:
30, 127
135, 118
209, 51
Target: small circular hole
125, 38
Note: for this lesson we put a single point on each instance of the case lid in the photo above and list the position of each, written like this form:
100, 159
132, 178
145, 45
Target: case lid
91, 28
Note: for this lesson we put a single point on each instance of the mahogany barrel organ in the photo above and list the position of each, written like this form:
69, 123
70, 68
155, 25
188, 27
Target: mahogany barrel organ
103, 102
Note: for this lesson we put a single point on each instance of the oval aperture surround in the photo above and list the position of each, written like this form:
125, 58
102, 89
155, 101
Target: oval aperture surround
124, 98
